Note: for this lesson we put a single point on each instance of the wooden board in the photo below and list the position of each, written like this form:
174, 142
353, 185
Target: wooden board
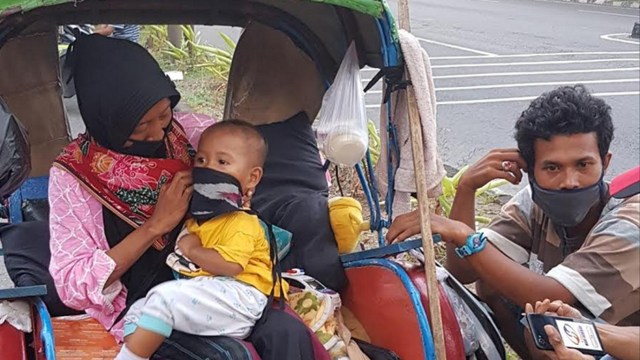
83, 340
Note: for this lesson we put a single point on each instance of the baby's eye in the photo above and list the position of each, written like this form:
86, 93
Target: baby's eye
199, 160
223, 162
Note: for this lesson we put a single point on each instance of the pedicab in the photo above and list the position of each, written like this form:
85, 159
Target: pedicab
389, 302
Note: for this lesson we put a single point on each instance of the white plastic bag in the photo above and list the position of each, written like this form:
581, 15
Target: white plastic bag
342, 125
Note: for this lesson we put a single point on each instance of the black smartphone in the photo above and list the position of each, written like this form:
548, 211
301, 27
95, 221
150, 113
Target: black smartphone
575, 334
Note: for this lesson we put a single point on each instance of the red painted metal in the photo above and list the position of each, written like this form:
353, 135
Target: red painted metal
12, 343
451, 328
379, 301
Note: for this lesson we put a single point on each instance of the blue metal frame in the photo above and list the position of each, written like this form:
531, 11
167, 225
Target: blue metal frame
388, 250
46, 330
390, 53
23, 292
381, 252
414, 295
31, 189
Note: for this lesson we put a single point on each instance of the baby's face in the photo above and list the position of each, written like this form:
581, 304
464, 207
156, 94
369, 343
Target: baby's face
226, 151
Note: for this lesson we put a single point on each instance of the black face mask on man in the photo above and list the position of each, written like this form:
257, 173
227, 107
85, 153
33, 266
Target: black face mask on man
214, 193
568, 208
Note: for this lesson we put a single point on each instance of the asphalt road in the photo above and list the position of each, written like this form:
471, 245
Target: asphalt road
491, 57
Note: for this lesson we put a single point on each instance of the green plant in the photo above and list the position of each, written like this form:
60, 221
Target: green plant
191, 54
154, 37
450, 187
374, 142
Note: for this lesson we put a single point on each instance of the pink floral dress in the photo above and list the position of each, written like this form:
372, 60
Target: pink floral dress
79, 264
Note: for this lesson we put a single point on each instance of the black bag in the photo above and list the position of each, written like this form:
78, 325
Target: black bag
27, 257
293, 195
15, 152
375, 352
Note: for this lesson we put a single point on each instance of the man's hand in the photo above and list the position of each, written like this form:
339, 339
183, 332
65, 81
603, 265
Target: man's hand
407, 225
403, 227
497, 164
103, 29
560, 351
557, 307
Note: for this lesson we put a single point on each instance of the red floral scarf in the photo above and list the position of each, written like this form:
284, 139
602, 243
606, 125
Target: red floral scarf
127, 185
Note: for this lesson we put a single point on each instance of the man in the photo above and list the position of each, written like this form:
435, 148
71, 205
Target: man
119, 31
562, 237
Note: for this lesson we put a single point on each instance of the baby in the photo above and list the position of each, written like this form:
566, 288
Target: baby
229, 245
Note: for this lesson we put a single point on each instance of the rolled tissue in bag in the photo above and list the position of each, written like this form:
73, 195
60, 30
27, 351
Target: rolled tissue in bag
346, 148
342, 129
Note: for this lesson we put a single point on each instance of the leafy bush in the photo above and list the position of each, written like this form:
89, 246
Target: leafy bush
450, 187
191, 54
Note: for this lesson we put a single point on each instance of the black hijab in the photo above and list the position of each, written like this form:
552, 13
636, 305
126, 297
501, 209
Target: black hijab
117, 82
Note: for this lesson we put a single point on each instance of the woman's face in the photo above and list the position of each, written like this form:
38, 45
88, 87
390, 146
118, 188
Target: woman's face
153, 124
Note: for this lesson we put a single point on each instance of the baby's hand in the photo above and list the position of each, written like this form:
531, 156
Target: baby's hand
188, 243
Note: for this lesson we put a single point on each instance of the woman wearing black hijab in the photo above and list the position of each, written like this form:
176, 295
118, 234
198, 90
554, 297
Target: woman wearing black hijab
119, 193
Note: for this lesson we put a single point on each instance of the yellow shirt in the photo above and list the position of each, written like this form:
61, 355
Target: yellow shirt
239, 238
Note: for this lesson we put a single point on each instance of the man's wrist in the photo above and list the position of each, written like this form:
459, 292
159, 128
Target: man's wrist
474, 243
462, 234
465, 189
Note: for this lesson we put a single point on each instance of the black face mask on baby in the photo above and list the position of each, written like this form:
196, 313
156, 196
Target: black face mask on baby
214, 193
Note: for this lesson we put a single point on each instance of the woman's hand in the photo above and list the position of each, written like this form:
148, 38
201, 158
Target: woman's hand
497, 164
408, 224
172, 205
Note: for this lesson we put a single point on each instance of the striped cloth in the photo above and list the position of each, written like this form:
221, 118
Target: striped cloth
126, 31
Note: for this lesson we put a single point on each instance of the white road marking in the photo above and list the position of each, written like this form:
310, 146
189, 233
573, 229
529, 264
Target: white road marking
522, 63
523, 98
570, 3
537, 54
550, 83
610, 38
456, 47
522, 73
609, 13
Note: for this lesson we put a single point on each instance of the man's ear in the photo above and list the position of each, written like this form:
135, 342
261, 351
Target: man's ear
606, 161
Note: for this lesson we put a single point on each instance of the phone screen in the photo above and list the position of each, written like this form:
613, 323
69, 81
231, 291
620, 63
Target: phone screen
578, 335
575, 334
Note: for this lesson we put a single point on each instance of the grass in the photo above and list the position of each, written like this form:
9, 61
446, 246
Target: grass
203, 93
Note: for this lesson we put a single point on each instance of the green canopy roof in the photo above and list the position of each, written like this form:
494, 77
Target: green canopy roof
373, 8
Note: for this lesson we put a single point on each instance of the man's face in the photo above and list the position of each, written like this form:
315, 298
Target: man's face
567, 162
